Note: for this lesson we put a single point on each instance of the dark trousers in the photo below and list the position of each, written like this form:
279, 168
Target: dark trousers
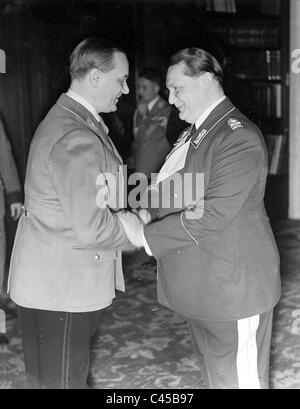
236, 353
57, 347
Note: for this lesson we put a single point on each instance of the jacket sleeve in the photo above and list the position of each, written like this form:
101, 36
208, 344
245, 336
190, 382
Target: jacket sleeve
238, 161
8, 170
75, 162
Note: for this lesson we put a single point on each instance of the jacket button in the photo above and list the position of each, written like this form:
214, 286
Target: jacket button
97, 257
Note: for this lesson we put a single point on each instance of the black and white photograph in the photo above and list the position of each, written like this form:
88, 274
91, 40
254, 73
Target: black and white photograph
150, 197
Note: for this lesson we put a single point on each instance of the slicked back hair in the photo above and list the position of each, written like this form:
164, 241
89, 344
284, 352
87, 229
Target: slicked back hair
92, 53
198, 61
152, 75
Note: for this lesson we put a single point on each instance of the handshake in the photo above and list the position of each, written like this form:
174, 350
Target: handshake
133, 224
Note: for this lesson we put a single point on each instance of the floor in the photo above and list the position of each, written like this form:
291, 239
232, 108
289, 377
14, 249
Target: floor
143, 345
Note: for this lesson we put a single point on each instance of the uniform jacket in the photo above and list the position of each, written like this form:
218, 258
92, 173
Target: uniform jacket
9, 179
219, 262
66, 254
150, 145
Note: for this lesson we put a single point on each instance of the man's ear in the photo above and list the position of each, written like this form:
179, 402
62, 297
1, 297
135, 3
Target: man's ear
206, 79
94, 76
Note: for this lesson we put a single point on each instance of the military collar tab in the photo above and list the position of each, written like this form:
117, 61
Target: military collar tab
88, 122
91, 124
181, 139
198, 138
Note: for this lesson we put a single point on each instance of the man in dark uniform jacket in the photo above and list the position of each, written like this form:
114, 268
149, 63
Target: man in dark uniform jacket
218, 264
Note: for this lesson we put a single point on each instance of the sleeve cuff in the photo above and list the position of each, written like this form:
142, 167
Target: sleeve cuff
14, 197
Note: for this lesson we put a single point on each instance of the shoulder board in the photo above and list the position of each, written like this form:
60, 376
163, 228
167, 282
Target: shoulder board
234, 123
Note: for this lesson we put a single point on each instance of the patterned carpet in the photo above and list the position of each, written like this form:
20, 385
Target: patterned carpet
142, 345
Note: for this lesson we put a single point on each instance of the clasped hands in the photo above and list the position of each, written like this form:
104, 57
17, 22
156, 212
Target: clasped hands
133, 224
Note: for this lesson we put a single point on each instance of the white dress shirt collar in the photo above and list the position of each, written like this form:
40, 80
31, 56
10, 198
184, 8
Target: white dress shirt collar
205, 114
72, 94
152, 103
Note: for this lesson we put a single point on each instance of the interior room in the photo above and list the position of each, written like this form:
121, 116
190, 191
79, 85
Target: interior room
141, 344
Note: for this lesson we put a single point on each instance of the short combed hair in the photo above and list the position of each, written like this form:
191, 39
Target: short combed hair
151, 74
198, 61
92, 53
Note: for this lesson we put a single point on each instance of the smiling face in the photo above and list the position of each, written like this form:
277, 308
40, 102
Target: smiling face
188, 94
112, 84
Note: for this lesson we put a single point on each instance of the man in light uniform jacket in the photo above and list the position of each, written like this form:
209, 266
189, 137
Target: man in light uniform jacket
218, 264
66, 262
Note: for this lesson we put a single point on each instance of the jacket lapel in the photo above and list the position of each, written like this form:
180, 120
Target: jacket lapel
220, 112
90, 121
160, 103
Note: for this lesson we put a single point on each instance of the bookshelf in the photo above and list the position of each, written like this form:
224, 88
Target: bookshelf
255, 36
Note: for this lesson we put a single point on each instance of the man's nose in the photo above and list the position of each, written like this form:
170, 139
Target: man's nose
125, 88
171, 98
